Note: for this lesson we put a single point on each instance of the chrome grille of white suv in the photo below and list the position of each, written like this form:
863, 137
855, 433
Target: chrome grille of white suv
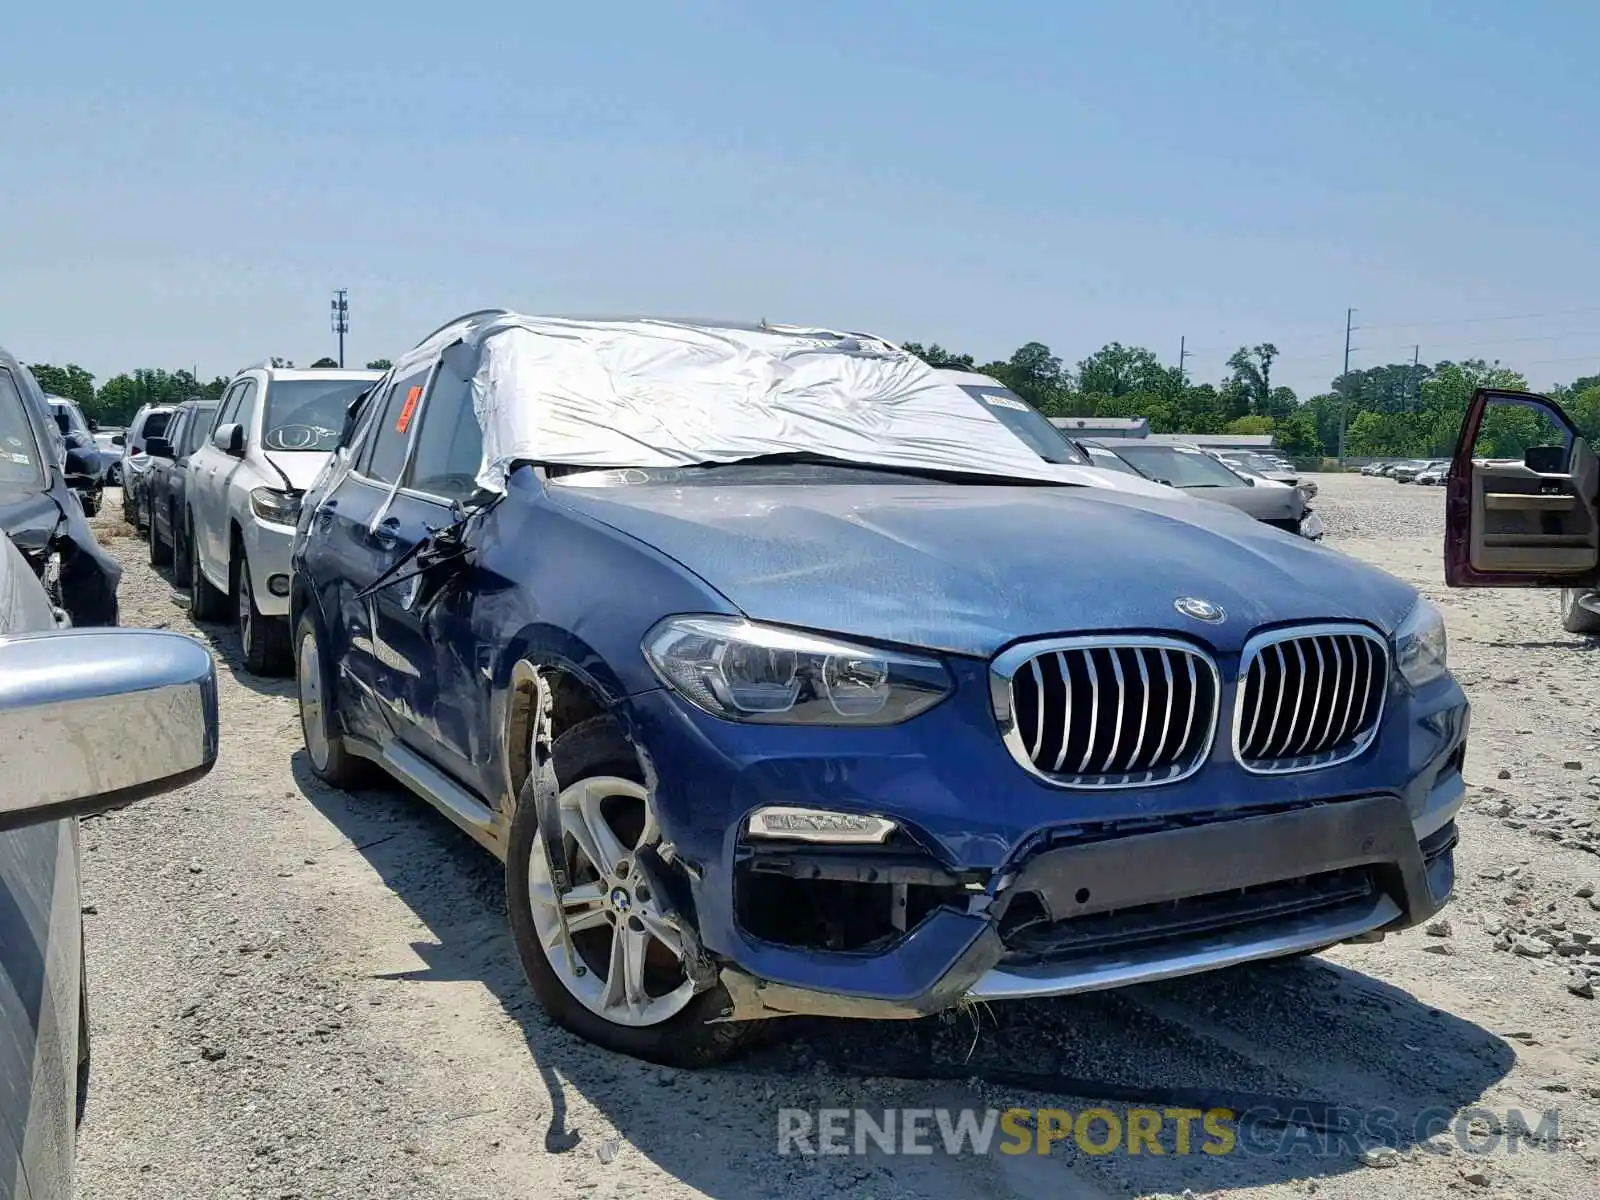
1308, 697
1101, 712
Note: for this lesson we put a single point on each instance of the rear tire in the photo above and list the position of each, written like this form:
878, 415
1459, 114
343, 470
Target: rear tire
330, 761
691, 1037
1574, 617
265, 639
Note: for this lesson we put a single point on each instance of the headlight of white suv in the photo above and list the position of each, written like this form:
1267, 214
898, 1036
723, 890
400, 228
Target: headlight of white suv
743, 671
1420, 645
281, 508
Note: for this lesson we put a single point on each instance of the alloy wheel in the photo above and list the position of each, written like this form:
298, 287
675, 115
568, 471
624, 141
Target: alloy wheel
623, 960
312, 717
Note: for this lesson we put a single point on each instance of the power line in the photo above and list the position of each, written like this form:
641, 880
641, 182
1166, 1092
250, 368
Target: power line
1564, 312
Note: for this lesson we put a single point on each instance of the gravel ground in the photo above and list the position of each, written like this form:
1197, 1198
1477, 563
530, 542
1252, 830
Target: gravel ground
304, 993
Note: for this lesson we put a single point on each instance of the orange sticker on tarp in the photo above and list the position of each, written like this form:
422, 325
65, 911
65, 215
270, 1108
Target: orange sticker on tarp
406, 409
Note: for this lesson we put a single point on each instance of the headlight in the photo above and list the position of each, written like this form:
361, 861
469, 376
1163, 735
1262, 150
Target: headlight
741, 671
281, 508
1420, 645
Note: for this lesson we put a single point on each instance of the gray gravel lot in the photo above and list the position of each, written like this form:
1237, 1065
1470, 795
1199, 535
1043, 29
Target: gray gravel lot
300, 993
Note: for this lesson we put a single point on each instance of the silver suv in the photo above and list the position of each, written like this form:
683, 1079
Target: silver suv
150, 421
271, 436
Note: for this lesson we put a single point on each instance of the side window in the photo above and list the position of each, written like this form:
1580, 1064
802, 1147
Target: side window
394, 428
230, 404
449, 443
177, 430
245, 414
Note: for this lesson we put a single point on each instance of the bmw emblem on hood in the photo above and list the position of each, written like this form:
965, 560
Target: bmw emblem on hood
1200, 610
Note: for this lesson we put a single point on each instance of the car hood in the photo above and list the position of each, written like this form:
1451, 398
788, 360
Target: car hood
301, 466
1262, 503
969, 569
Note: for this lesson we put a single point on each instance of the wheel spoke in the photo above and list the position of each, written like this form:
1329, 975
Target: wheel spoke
662, 932
597, 840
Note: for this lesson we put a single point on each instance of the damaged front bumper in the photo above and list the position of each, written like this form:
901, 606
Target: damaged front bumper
1093, 891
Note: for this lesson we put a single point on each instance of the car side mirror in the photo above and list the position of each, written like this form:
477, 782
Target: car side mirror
94, 719
229, 439
94, 426
158, 447
1545, 460
118, 440
1248, 482
80, 462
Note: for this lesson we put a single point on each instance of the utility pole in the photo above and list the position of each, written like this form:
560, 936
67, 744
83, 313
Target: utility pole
1416, 386
1183, 353
341, 318
1344, 391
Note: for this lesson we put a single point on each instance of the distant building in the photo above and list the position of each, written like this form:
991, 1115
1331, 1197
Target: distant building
1139, 427
1103, 427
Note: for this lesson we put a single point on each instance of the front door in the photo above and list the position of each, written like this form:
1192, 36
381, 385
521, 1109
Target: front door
1523, 497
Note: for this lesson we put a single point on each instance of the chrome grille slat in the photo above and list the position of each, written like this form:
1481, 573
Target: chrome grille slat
1144, 708
1166, 721
1066, 714
1122, 699
1107, 712
1337, 706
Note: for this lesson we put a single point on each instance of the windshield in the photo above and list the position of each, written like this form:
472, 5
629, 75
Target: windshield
1031, 427
19, 449
1099, 456
1180, 467
308, 414
1254, 462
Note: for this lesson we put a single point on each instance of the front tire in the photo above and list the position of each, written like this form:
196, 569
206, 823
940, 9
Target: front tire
616, 928
265, 639
160, 552
1574, 617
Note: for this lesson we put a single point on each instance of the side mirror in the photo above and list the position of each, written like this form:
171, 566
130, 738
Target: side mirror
1248, 481
94, 719
82, 462
94, 426
158, 447
118, 439
1545, 460
229, 439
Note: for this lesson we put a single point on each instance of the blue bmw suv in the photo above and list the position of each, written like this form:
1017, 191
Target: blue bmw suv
785, 679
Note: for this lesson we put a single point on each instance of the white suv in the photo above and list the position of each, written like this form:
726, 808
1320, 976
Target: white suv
273, 431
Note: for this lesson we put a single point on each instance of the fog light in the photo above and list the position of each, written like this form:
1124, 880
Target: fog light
278, 585
816, 825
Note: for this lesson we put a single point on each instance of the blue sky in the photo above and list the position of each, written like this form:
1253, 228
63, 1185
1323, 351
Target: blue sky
186, 183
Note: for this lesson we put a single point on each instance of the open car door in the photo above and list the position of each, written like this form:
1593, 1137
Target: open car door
1523, 491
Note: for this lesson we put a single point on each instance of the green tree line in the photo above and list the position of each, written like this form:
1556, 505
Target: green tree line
1399, 410
114, 402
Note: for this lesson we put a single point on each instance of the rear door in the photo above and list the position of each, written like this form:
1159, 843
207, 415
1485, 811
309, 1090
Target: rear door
1522, 497
354, 540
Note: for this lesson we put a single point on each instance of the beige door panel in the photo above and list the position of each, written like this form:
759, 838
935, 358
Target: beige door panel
1526, 521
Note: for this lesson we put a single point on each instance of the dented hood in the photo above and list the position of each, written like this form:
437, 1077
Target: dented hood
970, 568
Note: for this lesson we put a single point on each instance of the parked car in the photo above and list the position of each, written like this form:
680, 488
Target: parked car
787, 680
1251, 463
39, 511
166, 482
106, 441
272, 434
77, 433
1433, 475
150, 421
90, 720
1191, 470
1532, 522
1406, 472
